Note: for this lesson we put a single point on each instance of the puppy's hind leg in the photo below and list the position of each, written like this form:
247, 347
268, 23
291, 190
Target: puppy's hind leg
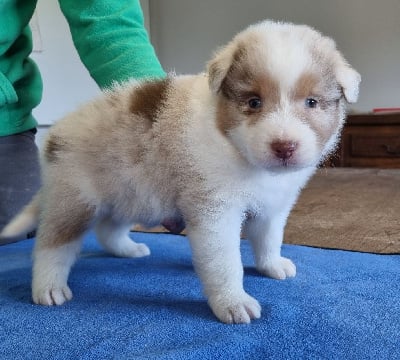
51, 269
114, 238
57, 246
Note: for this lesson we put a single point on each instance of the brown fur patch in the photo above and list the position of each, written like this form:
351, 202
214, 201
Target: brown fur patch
323, 118
67, 227
238, 76
226, 117
268, 90
322, 86
149, 97
305, 86
243, 82
53, 146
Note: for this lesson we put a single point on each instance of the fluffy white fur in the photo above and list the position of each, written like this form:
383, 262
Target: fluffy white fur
198, 148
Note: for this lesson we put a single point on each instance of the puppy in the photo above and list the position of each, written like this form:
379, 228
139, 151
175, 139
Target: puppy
224, 151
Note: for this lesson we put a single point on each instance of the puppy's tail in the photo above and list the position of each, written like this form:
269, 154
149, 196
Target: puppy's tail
22, 223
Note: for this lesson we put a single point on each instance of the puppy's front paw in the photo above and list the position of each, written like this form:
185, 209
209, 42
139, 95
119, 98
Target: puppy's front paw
279, 268
52, 295
235, 309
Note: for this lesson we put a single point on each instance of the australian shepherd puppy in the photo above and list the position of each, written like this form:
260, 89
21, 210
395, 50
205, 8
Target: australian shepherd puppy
223, 151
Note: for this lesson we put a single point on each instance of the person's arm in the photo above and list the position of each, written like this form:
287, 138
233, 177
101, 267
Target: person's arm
111, 40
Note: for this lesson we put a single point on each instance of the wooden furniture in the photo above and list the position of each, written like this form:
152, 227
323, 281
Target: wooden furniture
370, 140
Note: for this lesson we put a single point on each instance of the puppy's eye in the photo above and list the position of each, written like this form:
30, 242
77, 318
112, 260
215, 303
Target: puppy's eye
254, 103
311, 103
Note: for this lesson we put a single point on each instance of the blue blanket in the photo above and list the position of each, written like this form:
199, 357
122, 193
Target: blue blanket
341, 305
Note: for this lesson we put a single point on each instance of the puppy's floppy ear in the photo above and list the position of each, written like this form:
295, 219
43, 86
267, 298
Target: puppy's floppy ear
219, 66
348, 78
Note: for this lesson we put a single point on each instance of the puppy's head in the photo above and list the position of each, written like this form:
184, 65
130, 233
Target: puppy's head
281, 91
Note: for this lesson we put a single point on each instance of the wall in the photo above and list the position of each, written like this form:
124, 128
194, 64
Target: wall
186, 32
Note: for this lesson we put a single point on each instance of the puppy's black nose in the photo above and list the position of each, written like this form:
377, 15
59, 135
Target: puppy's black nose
283, 149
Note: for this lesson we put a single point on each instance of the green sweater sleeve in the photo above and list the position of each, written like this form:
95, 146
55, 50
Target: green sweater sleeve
111, 40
